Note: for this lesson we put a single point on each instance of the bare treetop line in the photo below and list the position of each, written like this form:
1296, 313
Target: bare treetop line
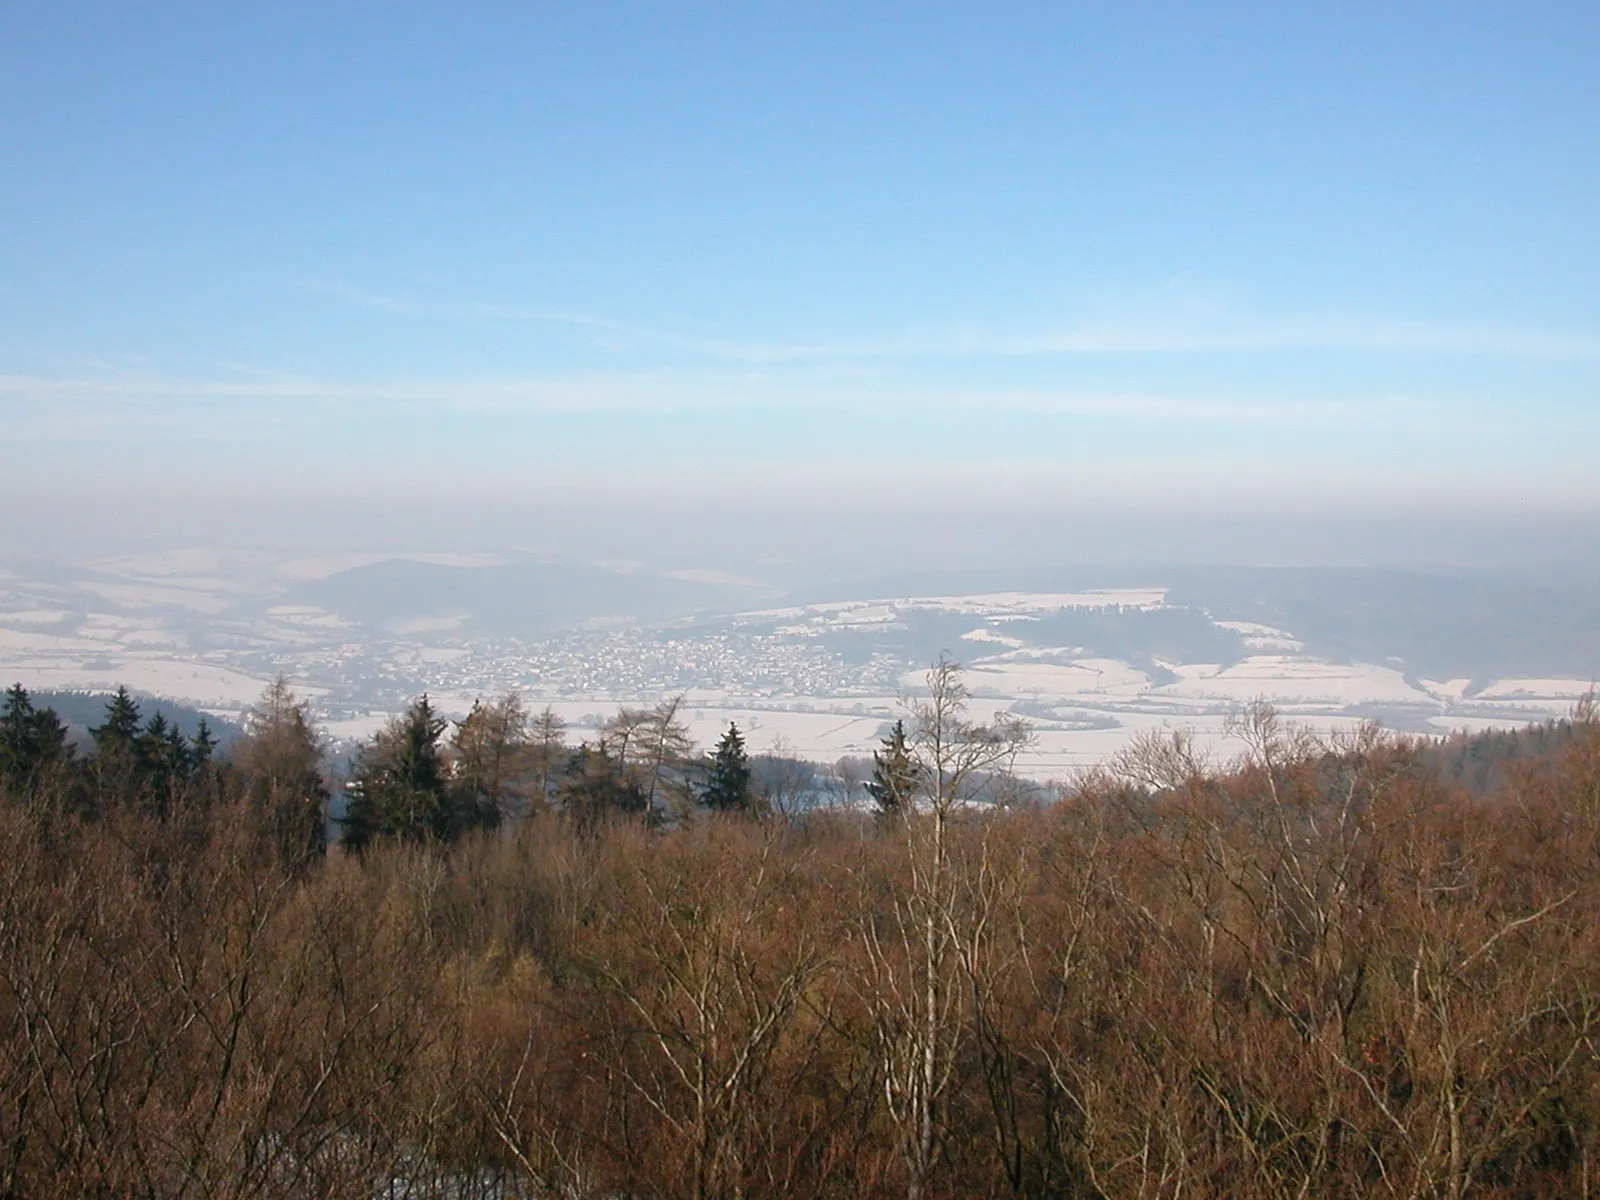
425, 778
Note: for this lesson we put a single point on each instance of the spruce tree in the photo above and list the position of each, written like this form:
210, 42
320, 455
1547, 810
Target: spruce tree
202, 747
116, 768
121, 726
33, 744
166, 767
728, 783
161, 759
893, 786
18, 733
399, 788
50, 745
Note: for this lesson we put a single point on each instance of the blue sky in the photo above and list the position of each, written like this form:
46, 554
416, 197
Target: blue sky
1197, 254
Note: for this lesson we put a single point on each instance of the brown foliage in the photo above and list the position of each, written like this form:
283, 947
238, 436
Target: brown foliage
1322, 972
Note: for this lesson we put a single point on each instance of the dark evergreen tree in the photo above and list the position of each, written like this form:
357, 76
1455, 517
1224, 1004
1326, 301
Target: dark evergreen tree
116, 735
36, 767
33, 743
202, 747
50, 746
400, 788
893, 786
162, 756
728, 781
360, 825
16, 722
18, 736
116, 772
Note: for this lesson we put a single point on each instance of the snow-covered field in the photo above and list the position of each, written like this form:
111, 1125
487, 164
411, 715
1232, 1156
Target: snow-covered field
1286, 679
1017, 675
200, 684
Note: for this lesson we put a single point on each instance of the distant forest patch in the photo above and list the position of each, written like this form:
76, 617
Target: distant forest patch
85, 710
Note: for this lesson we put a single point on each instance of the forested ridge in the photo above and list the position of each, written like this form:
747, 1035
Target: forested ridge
1348, 966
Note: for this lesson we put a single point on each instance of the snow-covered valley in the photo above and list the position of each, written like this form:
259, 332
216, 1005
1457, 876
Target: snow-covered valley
1089, 667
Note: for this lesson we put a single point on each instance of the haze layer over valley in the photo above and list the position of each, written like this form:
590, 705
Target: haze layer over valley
1089, 657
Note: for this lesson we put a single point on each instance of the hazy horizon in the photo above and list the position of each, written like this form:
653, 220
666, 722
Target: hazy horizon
810, 540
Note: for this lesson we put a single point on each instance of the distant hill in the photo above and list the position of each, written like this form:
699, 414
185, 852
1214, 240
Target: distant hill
920, 635
509, 600
1440, 626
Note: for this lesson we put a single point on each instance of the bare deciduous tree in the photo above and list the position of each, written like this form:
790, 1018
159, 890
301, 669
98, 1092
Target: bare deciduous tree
913, 949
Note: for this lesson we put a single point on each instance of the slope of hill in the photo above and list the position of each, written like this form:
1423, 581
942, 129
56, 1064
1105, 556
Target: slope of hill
519, 599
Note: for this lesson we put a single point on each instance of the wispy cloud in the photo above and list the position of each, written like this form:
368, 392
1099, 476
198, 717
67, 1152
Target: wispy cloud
711, 347
351, 294
1153, 328
1156, 335
1299, 333
667, 393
